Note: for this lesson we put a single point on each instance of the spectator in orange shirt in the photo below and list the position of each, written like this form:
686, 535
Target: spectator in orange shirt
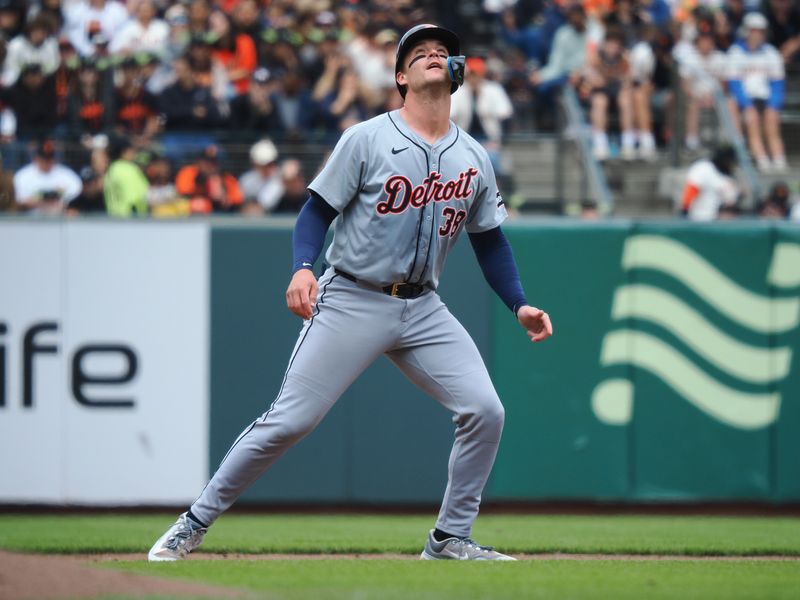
235, 51
207, 187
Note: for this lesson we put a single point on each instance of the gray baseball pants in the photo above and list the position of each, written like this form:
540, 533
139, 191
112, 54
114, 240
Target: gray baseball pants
352, 327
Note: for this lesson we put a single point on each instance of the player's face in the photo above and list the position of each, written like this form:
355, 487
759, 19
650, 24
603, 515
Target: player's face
426, 64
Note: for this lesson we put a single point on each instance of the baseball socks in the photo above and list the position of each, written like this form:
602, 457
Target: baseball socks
441, 536
194, 521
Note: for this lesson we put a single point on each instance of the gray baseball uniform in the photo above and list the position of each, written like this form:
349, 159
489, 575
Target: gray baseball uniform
402, 204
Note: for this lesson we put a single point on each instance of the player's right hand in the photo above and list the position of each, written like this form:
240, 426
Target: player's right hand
302, 293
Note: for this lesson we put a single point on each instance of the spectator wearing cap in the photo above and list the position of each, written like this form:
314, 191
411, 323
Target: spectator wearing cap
92, 199
32, 99
235, 51
144, 33
185, 104
45, 185
756, 80
35, 45
125, 185
480, 107
208, 188
86, 19
263, 183
254, 112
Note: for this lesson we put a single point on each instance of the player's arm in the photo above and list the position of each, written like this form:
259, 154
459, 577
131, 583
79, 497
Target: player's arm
500, 270
307, 241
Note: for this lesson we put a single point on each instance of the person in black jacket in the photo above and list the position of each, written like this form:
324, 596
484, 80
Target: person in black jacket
33, 100
253, 111
187, 105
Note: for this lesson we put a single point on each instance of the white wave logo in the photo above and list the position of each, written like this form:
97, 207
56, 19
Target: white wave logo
612, 400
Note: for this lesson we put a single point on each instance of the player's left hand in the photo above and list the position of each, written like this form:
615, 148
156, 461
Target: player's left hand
536, 322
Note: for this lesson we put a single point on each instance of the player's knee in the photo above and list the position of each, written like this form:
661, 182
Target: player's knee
491, 417
292, 431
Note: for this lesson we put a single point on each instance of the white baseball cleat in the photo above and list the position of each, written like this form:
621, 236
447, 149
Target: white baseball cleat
459, 549
178, 541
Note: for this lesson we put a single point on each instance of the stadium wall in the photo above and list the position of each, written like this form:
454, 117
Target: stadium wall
673, 376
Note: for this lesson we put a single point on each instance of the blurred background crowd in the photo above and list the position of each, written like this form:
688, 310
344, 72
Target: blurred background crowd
173, 108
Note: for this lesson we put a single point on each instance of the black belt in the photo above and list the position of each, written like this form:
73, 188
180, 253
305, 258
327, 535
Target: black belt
398, 290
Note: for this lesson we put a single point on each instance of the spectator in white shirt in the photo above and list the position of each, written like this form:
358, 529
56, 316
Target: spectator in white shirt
44, 186
263, 183
145, 33
35, 45
89, 18
756, 79
709, 186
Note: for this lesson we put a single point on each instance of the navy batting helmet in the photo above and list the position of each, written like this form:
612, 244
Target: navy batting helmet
455, 63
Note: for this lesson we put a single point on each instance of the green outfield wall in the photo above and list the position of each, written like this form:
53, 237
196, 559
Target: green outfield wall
674, 373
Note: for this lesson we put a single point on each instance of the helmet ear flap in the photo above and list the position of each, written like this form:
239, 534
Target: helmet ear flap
455, 66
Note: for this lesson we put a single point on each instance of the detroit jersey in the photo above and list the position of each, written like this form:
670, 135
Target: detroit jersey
403, 201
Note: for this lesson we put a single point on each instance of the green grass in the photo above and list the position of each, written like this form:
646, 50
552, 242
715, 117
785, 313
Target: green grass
402, 580
369, 533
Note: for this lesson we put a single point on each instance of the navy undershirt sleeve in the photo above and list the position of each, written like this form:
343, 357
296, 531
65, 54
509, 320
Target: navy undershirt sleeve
499, 267
309, 232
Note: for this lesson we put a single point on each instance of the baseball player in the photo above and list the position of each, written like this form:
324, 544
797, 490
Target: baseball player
400, 187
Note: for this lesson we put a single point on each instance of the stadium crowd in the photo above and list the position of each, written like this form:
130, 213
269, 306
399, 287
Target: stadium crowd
149, 90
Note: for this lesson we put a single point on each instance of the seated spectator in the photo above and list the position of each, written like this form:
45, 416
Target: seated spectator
607, 82
33, 102
90, 104
296, 112
263, 183
53, 11
162, 197
480, 107
35, 46
254, 111
85, 19
566, 60
783, 17
535, 39
757, 82
208, 188
185, 104
199, 15
12, 18
135, 109
702, 69
345, 105
709, 186
45, 186
144, 33
65, 77
295, 186
776, 204
125, 185
206, 68
91, 200
8, 197
236, 52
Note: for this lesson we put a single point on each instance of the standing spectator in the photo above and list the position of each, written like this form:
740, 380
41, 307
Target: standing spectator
480, 107
35, 46
263, 183
236, 52
144, 33
185, 104
208, 188
709, 186
91, 200
125, 186
45, 185
607, 82
87, 18
33, 102
702, 68
253, 112
756, 81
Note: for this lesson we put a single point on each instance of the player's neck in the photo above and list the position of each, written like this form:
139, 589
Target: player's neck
428, 116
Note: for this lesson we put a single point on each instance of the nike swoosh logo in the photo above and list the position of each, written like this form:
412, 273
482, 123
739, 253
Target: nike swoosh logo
399, 151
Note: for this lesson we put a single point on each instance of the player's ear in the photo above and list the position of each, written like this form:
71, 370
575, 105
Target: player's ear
400, 77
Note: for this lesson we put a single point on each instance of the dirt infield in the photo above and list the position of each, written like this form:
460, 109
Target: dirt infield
48, 577
28, 576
